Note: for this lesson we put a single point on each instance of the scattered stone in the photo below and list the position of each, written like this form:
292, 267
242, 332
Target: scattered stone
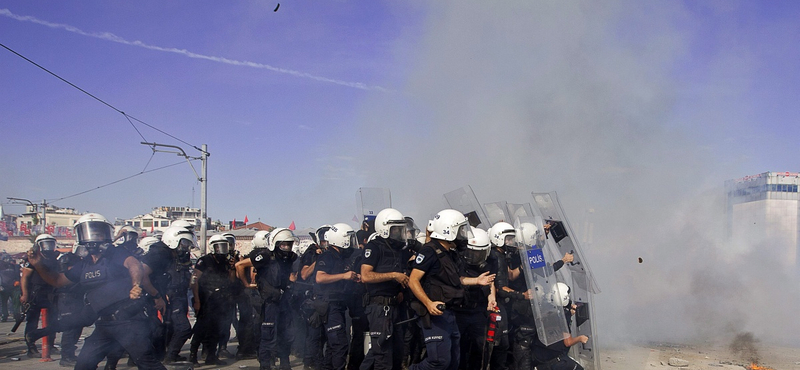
677, 362
716, 365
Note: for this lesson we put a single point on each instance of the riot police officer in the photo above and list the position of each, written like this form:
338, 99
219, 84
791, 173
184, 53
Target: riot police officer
112, 279
471, 315
384, 273
167, 264
504, 255
313, 309
334, 277
250, 304
436, 283
273, 264
211, 282
37, 293
128, 237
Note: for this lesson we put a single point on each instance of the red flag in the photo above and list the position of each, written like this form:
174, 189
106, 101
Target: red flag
245, 220
234, 225
292, 227
151, 227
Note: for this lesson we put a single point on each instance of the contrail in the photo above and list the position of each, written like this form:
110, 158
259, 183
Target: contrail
108, 36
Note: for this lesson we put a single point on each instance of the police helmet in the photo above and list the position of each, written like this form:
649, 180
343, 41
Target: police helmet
343, 236
219, 244
45, 243
390, 224
502, 234
449, 225
477, 247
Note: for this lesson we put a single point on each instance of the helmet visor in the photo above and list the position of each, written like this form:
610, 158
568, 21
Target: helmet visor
509, 240
94, 231
285, 246
184, 245
397, 231
47, 245
475, 256
464, 232
221, 247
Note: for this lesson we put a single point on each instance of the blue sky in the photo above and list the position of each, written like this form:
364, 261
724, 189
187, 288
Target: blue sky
635, 112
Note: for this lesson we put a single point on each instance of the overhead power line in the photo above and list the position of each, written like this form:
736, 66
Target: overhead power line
127, 116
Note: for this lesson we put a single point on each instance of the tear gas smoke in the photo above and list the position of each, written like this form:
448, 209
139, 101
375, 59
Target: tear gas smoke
580, 98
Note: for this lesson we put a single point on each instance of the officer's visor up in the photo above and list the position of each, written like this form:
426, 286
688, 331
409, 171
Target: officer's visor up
94, 232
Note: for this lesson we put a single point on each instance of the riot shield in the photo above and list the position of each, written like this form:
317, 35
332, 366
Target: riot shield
537, 267
561, 240
370, 201
519, 210
496, 212
464, 201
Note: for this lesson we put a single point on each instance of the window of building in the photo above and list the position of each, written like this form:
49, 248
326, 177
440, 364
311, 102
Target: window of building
147, 223
164, 223
136, 223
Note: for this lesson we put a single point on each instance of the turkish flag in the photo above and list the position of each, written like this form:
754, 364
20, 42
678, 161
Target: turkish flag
292, 227
245, 220
234, 225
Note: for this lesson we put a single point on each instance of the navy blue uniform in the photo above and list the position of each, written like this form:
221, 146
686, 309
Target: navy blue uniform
272, 278
472, 318
441, 282
41, 295
384, 308
336, 294
215, 302
121, 321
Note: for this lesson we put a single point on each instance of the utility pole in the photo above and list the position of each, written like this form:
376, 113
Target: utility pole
203, 178
34, 205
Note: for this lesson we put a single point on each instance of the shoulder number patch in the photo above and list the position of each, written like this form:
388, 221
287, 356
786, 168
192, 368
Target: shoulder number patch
259, 257
367, 253
420, 258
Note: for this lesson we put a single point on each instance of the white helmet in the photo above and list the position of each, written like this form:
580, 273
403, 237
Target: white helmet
282, 238
184, 224
559, 295
528, 234
502, 234
260, 239
390, 224
146, 242
231, 239
127, 233
449, 225
93, 228
477, 247
219, 244
177, 237
319, 235
301, 247
342, 236
45, 242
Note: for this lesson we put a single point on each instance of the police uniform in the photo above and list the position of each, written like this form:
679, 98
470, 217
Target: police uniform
41, 295
384, 308
70, 303
471, 317
441, 282
315, 331
334, 262
121, 321
499, 356
272, 279
9, 281
215, 302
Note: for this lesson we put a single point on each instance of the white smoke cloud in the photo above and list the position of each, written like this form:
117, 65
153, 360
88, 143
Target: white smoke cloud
580, 98
108, 36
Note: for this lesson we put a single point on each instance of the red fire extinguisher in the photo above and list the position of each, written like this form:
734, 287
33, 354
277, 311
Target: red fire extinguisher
494, 318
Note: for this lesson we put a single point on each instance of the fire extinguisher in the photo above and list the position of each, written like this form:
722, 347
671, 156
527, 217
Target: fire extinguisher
494, 319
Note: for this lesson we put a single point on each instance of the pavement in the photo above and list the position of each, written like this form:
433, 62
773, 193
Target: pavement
13, 353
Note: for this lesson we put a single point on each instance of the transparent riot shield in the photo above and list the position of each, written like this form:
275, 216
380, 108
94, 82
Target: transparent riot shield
496, 212
537, 267
370, 201
464, 201
561, 240
519, 210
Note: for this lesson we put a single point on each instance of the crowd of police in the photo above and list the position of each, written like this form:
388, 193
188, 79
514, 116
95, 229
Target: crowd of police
448, 297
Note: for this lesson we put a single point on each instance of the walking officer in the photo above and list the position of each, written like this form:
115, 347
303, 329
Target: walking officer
112, 279
211, 282
334, 278
36, 292
384, 273
436, 283
273, 265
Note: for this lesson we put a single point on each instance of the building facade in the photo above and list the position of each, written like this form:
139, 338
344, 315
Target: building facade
161, 218
763, 211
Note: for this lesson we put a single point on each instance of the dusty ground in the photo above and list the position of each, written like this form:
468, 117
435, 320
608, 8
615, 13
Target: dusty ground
699, 357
